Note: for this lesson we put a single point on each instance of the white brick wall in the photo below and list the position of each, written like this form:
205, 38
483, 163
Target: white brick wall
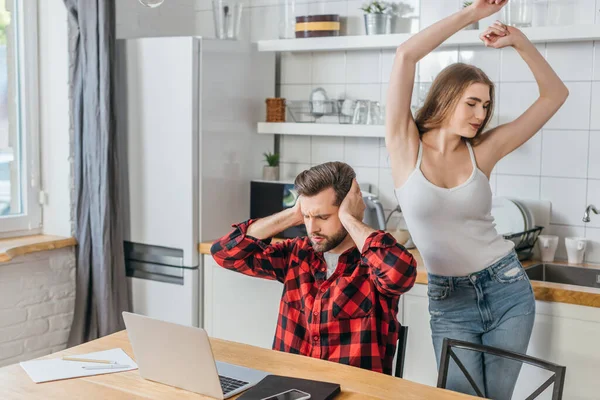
37, 299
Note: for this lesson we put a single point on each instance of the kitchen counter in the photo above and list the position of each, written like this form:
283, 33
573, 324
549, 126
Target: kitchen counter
544, 291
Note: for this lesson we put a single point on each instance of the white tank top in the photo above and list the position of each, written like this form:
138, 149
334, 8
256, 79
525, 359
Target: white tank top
453, 229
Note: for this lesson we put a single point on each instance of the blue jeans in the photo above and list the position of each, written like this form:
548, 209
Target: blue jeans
493, 307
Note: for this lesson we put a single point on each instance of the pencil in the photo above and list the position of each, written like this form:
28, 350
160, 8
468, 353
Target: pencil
88, 360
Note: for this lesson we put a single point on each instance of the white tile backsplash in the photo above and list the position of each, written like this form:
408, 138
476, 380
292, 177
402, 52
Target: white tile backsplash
296, 68
594, 156
595, 118
367, 177
363, 67
295, 92
361, 152
593, 197
571, 61
515, 98
326, 148
575, 112
295, 149
565, 153
597, 57
386, 189
525, 160
567, 197
328, 67
520, 187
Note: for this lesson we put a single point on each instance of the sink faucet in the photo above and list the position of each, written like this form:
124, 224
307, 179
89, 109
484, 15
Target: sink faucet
586, 215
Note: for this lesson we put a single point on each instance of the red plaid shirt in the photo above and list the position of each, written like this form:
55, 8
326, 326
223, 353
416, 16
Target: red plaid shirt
350, 318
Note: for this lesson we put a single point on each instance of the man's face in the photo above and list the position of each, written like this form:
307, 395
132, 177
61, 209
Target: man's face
322, 221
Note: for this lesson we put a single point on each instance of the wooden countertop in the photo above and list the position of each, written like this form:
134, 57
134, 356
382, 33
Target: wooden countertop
13, 247
356, 383
544, 291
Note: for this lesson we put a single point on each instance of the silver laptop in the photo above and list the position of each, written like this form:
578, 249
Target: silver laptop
181, 356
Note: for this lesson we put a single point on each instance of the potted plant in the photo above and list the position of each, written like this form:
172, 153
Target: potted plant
401, 22
377, 18
474, 25
271, 170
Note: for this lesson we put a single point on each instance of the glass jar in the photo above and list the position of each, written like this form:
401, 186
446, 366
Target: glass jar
519, 13
287, 19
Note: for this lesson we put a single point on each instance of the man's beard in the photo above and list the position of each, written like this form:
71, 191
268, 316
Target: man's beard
329, 242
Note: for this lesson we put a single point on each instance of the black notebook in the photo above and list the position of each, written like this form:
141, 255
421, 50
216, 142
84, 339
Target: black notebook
274, 384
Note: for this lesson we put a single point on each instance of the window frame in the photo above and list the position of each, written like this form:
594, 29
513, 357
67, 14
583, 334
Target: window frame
29, 221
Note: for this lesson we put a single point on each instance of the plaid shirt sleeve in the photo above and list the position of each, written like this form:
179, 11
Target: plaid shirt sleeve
250, 256
393, 268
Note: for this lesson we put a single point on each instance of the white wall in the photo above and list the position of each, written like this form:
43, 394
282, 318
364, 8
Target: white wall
560, 164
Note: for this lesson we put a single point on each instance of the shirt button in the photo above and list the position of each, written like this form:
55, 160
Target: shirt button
323, 289
316, 313
473, 278
316, 338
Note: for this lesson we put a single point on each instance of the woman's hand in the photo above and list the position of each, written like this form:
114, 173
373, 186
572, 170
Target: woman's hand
499, 35
485, 8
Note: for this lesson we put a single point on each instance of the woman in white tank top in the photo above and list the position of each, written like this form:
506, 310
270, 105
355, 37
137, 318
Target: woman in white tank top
441, 162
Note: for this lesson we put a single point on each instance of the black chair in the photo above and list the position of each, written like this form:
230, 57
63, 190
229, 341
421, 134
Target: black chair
401, 353
558, 377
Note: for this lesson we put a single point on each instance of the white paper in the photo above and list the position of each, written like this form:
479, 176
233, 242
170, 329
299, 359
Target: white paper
55, 369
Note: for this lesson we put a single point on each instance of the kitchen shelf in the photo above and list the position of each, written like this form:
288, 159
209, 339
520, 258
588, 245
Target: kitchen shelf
570, 33
316, 129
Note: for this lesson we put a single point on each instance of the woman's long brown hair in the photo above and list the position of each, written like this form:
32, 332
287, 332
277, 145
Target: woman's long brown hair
445, 93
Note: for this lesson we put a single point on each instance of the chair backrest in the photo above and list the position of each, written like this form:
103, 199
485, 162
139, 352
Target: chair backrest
558, 376
401, 352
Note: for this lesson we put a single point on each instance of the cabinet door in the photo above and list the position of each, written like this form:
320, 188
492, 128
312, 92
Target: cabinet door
238, 307
567, 335
420, 365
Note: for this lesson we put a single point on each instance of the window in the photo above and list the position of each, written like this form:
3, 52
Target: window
19, 130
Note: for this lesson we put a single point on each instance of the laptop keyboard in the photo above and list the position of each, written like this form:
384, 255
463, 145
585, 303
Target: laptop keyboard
230, 384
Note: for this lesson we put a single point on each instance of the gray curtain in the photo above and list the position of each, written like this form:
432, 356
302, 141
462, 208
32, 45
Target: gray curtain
101, 293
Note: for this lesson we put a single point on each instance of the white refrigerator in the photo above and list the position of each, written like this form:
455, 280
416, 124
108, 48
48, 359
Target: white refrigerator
187, 112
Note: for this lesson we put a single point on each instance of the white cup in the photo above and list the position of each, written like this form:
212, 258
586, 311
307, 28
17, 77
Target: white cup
575, 249
547, 245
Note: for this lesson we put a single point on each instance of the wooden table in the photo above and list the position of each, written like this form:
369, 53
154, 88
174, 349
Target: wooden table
356, 383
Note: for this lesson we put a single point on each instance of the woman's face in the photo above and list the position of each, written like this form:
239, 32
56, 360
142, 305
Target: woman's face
471, 110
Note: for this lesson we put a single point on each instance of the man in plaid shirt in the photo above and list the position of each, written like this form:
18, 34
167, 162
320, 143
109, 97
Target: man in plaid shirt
342, 283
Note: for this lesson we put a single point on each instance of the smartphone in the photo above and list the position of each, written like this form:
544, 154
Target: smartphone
292, 394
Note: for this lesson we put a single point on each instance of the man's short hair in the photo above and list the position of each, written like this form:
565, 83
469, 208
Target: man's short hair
336, 175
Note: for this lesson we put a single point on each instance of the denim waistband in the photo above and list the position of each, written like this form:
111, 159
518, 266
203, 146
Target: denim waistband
488, 272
